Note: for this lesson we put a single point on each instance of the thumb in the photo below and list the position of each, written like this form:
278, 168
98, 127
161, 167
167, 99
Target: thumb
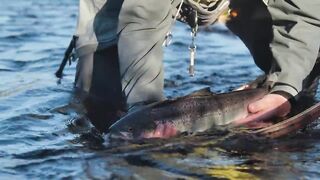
256, 106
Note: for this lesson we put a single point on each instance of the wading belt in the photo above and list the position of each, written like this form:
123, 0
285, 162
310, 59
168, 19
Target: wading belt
68, 56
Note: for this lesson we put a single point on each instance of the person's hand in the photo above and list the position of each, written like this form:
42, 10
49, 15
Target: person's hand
271, 105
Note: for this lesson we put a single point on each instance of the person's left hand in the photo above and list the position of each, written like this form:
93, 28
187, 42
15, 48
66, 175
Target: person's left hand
271, 105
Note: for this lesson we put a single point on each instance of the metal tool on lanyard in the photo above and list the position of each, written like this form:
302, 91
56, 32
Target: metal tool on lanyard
168, 39
192, 20
193, 47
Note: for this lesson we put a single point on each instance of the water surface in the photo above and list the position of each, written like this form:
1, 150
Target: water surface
38, 141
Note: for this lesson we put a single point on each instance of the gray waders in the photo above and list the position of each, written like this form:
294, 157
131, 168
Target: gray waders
126, 67
123, 64
284, 40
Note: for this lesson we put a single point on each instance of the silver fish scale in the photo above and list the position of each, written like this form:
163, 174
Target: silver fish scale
193, 113
176, 114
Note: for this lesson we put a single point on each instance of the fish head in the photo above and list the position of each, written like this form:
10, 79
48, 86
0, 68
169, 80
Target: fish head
133, 126
142, 124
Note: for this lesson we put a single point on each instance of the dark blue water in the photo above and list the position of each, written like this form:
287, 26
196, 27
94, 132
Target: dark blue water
38, 140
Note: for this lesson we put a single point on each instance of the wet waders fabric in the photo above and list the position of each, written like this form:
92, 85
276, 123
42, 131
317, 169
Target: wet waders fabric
120, 48
124, 67
142, 27
105, 99
296, 42
253, 25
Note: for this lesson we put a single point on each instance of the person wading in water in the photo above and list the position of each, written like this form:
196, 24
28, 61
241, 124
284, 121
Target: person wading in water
119, 44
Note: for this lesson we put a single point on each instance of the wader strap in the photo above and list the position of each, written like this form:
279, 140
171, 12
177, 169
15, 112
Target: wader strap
67, 57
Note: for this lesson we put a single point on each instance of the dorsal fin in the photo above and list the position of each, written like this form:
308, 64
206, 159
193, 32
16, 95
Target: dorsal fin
202, 92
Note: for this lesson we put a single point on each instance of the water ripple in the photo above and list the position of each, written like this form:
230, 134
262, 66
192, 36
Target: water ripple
40, 139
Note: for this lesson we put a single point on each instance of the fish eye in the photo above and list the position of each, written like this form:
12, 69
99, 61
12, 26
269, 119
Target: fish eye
130, 129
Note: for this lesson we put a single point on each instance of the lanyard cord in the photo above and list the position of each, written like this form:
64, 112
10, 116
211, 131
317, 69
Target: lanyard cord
168, 37
194, 29
179, 9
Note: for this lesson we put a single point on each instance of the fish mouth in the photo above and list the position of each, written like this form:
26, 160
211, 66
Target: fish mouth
162, 131
121, 136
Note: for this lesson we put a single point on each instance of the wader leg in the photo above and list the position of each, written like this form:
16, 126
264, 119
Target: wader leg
253, 26
84, 72
105, 101
131, 71
98, 72
98, 79
143, 25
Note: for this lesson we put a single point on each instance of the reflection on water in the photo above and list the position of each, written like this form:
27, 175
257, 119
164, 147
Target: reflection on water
43, 138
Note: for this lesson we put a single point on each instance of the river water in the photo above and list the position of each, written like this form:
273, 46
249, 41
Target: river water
39, 141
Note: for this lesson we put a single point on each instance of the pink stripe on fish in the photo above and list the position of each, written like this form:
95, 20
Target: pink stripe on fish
165, 130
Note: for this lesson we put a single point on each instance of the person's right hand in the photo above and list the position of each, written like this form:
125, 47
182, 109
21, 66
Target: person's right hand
270, 106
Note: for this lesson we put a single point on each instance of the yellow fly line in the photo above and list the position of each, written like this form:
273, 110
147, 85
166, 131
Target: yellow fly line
232, 172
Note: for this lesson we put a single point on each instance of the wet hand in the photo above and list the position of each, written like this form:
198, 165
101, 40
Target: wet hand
270, 106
